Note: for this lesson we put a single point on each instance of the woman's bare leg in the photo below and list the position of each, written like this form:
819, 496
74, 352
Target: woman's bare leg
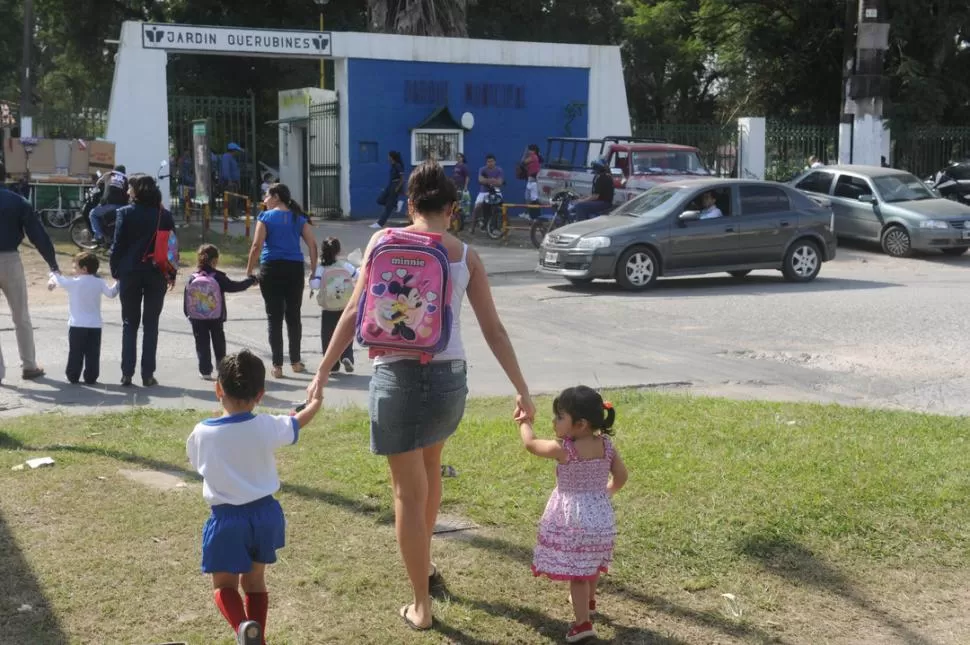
432, 469
410, 482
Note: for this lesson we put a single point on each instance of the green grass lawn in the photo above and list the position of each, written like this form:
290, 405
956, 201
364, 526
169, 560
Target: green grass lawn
233, 249
827, 524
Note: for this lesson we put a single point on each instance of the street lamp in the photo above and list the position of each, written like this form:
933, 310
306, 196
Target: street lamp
321, 4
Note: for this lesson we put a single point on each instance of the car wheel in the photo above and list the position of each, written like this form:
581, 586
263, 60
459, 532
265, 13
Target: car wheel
802, 262
896, 242
637, 269
739, 274
955, 251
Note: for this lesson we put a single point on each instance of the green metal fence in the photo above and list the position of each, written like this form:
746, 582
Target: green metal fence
231, 120
925, 150
718, 144
788, 147
89, 123
324, 160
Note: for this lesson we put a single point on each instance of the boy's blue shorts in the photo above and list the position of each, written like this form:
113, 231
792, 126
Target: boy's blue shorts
234, 537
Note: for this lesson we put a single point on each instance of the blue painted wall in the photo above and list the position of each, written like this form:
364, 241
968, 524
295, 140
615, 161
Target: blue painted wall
513, 107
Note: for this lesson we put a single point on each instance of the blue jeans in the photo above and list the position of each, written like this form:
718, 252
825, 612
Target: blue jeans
97, 215
587, 210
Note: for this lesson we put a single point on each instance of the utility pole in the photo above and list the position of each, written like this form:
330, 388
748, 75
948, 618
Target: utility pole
846, 113
866, 87
26, 91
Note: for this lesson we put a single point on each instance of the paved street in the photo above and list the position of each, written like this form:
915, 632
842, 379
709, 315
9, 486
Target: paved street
869, 331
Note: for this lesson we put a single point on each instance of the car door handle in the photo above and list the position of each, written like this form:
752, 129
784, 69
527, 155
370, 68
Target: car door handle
728, 229
784, 224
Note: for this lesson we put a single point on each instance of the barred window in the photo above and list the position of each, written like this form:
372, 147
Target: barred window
441, 145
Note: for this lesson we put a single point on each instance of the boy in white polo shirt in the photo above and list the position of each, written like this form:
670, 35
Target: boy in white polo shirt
234, 455
84, 293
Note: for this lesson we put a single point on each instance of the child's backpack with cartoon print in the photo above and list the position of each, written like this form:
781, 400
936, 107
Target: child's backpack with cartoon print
336, 287
203, 297
406, 306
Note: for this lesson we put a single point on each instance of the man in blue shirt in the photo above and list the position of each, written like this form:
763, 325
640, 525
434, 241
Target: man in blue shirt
17, 219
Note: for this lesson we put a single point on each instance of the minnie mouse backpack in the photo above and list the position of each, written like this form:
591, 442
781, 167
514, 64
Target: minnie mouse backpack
406, 305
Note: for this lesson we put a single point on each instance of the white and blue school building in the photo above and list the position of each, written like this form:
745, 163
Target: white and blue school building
419, 96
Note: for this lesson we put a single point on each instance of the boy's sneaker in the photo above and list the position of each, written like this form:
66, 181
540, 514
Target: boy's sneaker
348, 365
580, 632
250, 633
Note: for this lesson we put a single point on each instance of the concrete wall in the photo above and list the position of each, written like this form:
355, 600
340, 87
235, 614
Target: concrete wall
531, 105
138, 112
293, 110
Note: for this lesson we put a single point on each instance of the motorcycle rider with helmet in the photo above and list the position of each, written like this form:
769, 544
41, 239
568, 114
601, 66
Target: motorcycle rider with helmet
114, 195
600, 200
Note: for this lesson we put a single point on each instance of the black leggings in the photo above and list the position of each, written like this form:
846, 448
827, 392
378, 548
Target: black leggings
281, 283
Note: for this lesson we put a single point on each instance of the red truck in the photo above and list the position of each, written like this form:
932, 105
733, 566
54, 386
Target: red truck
637, 164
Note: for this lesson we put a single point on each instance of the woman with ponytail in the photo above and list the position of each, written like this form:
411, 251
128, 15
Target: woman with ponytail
276, 246
577, 530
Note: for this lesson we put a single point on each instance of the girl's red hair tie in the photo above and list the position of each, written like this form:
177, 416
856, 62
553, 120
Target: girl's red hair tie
607, 405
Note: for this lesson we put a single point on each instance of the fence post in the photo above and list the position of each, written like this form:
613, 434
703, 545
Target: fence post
752, 139
225, 213
249, 206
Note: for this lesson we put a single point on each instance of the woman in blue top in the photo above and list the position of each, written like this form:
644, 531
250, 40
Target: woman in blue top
276, 245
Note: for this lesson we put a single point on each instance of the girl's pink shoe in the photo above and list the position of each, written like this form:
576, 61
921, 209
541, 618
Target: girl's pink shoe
580, 632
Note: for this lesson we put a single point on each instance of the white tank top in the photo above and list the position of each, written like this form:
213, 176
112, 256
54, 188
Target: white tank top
455, 351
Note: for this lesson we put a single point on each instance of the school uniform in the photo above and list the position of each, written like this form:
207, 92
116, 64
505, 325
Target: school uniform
235, 456
84, 324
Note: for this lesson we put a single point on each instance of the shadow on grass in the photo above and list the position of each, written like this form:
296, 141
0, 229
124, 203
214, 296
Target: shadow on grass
36, 623
795, 563
381, 515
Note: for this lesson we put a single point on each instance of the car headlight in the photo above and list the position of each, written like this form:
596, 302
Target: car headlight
933, 223
593, 243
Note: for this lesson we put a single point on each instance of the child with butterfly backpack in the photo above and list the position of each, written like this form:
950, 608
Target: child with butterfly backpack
334, 283
204, 304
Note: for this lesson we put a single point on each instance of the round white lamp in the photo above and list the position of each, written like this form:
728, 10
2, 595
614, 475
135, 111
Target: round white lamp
467, 121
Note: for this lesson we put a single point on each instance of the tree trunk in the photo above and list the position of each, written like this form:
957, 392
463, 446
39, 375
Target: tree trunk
419, 17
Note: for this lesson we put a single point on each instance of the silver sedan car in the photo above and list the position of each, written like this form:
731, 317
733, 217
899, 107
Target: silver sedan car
891, 207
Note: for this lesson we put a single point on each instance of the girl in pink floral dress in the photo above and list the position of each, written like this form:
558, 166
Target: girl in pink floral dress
577, 530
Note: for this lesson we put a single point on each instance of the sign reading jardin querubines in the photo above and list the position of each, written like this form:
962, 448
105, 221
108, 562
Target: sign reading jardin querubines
230, 40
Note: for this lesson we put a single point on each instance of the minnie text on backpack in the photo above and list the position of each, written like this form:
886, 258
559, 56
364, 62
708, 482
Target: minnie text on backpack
203, 297
336, 287
406, 306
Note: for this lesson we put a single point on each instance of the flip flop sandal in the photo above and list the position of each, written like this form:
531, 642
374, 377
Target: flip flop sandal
410, 623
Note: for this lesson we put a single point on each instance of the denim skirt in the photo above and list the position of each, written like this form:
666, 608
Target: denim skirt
413, 406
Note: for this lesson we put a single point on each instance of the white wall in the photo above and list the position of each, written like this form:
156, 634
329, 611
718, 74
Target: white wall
138, 112
295, 104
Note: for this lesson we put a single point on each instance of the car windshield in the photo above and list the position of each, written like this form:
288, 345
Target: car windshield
644, 205
668, 162
901, 188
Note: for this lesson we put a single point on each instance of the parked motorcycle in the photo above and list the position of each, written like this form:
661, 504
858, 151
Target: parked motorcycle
543, 223
81, 233
491, 214
953, 182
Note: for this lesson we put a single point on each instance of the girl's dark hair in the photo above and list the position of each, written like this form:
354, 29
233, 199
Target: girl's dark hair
395, 156
329, 251
242, 376
430, 189
534, 148
206, 254
282, 193
461, 157
585, 403
146, 191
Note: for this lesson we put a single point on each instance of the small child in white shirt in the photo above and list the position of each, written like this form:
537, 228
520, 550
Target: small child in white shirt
84, 292
234, 454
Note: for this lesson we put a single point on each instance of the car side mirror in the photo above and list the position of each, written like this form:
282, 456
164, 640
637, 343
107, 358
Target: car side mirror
689, 216
867, 198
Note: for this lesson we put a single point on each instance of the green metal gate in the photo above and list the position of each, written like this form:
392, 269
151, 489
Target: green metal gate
231, 120
323, 148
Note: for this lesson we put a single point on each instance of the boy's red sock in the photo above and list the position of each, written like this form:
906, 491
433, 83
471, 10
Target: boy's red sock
230, 604
257, 608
